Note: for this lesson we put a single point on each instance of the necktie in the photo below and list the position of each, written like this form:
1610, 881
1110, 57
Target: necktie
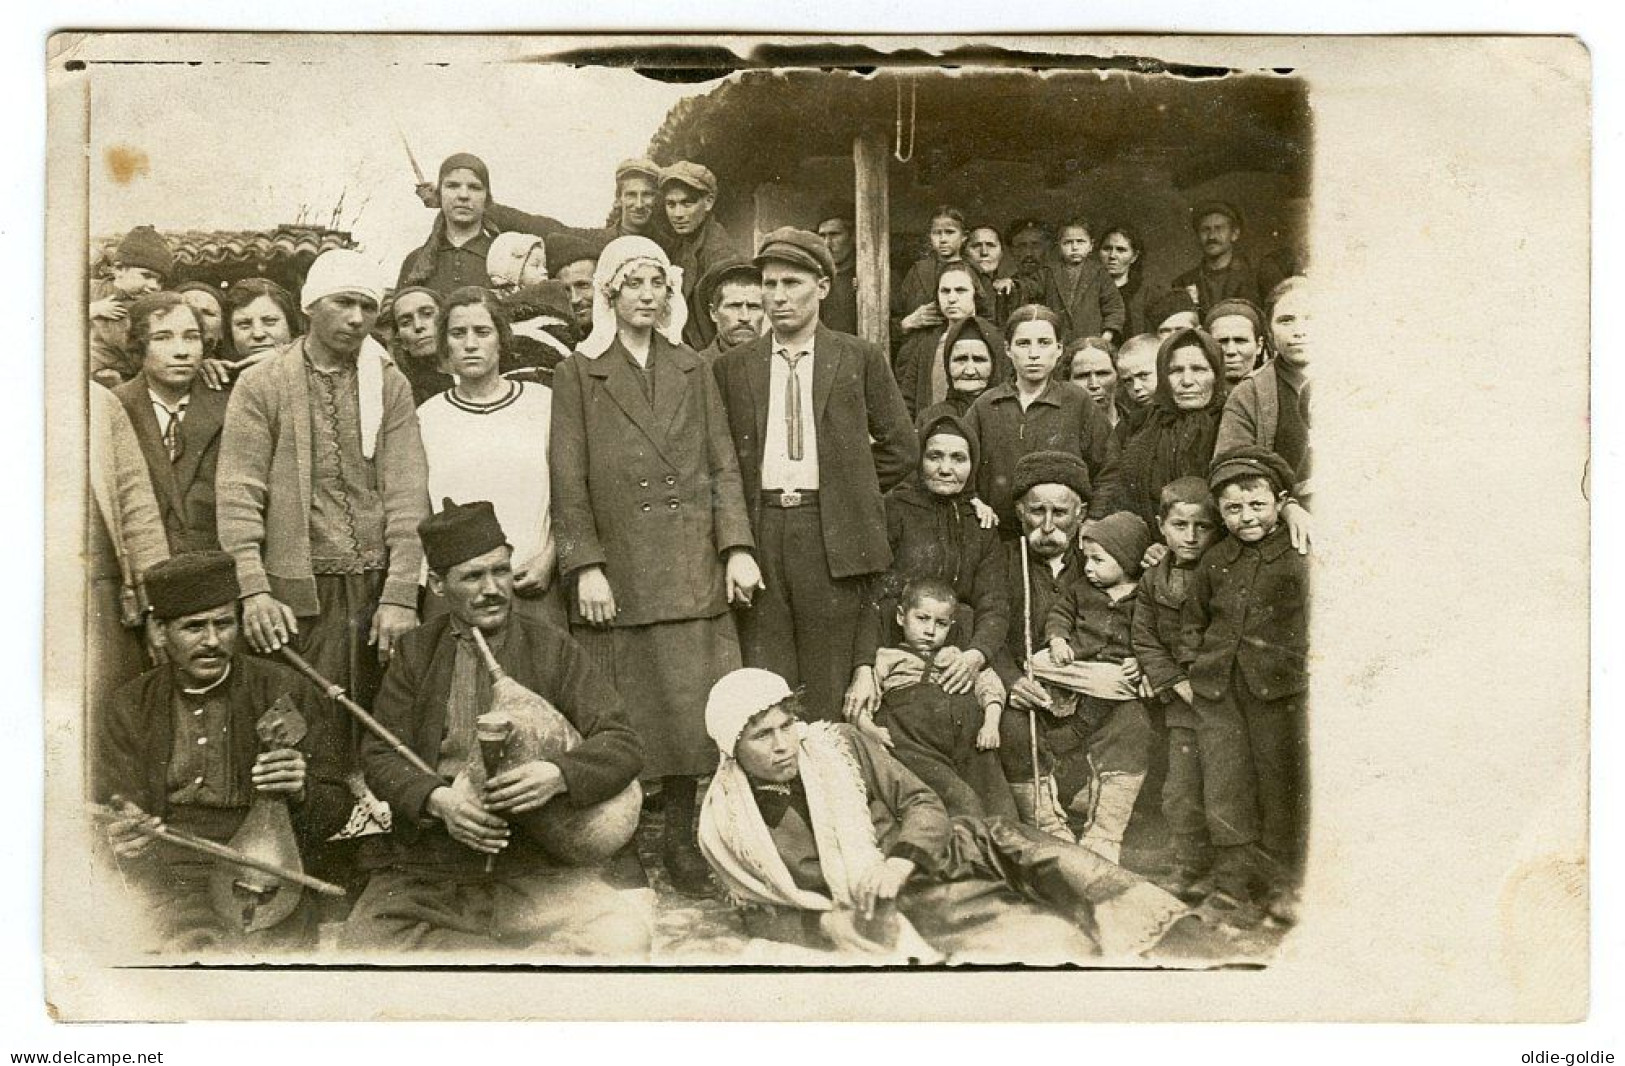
172, 433
792, 404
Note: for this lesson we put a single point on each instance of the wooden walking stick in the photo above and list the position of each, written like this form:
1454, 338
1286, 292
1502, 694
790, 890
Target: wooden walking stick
1027, 646
120, 807
373, 725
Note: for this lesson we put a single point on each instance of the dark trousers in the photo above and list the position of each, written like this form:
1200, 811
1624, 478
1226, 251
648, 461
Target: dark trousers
934, 735
1182, 790
1254, 769
803, 624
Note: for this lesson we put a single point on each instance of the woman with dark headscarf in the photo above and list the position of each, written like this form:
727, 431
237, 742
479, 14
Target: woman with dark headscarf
973, 360
1178, 436
934, 532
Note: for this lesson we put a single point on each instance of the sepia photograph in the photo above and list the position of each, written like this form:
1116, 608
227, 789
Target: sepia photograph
679, 505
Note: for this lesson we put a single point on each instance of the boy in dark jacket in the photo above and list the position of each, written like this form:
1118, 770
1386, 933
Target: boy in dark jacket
1245, 645
1189, 522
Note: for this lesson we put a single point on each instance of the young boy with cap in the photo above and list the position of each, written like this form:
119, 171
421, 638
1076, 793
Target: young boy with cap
1189, 522
1245, 647
180, 743
689, 192
142, 264
1091, 658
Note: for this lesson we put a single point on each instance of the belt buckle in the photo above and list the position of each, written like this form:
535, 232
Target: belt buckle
790, 499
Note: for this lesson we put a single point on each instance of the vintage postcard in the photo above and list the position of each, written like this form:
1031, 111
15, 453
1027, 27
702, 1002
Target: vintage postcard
557, 526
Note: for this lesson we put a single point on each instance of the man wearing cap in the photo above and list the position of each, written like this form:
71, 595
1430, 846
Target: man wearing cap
571, 261
430, 888
838, 227
180, 743
141, 265
1030, 242
176, 417
824, 840
804, 403
322, 483
1052, 491
460, 239
1238, 327
638, 211
688, 192
731, 293
1224, 272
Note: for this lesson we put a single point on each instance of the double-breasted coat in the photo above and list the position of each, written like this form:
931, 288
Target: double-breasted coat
650, 491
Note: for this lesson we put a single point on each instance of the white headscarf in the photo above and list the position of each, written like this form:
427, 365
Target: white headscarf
341, 270
506, 259
618, 257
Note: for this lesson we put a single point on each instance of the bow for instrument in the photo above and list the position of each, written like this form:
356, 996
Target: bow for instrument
252, 899
120, 808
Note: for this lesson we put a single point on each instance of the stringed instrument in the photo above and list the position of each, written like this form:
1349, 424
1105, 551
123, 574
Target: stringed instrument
248, 898
572, 835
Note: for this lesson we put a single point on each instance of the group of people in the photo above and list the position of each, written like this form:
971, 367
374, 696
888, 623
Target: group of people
920, 623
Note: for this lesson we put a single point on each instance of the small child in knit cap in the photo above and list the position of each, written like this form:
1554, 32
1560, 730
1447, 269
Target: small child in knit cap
948, 740
1189, 523
1090, 660
141, 265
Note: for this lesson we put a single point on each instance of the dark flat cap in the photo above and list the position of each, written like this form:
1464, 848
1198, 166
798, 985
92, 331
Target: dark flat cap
693, 175
731, 268
1251, 460
801, 247
565, 248
1215, 207
190, 583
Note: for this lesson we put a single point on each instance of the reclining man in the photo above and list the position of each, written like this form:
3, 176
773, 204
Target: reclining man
825, 841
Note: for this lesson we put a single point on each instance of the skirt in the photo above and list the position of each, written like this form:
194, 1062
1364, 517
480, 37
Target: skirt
664, 673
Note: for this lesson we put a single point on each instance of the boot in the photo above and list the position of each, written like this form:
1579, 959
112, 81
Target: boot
1114, 799
678, 851
1051, 819
1191, 865
1236, 885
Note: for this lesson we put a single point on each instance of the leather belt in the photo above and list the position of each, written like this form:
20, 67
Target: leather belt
788, 500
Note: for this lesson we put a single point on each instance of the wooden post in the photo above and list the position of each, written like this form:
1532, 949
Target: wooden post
872, 197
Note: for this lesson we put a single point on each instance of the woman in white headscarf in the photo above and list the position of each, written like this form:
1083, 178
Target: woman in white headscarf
649, 515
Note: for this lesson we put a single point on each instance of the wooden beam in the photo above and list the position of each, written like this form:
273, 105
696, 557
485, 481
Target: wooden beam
871, 194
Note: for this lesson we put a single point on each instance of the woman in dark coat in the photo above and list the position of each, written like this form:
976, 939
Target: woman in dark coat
1122, 253
933, 531
650, 520
1178, 436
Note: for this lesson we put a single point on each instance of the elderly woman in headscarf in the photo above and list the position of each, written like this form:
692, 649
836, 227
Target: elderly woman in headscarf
933, 530
1179, 434
649, 514
538, 310
972, 360
922, 369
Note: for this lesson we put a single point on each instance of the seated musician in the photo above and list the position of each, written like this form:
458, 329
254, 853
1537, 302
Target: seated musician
827, 842
431, 887
180, 743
